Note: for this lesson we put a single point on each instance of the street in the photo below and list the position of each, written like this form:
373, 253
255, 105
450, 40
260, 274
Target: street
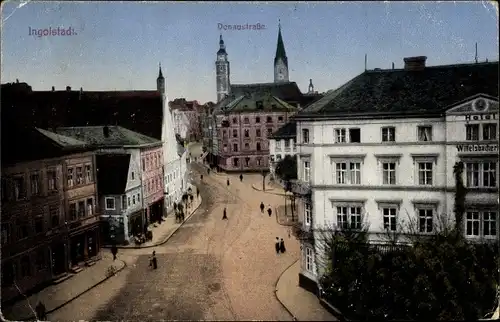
209, 270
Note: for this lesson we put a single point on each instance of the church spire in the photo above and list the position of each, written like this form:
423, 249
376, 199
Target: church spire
160, 74
222, 49
280, 48
311, 87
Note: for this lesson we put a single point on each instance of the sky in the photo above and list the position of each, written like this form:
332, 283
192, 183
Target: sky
118, 46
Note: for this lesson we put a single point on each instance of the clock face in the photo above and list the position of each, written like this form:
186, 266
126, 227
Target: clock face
480, 105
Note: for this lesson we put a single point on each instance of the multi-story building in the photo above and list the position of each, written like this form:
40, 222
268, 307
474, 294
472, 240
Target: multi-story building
49, 218
380, 151
140, 169
187, 118
244, 126
283, 142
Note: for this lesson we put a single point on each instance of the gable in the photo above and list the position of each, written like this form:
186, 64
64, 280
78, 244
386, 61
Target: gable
477, 104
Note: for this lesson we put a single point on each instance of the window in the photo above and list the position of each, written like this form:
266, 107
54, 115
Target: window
257, 133
424, 133
128, 200
224, 148
25, 266
389, 216
90, 206
340, 136
355, 135
22, 230
51, 181
247, 146
5, 233
389, 173
489, 131
294, 144
110, 201
247, 133
35, 184
54, 216
133, 200
257, 119
307, 171
481, 174
309, 260
425, 173
278, 157
247, 161
307, 214
257, 146
348, 172
259, 161
70, 177
224, 134
246, 120
132, 175
81, 209
235, 120
287, 144
305, 136
349, 216
271, 157
19, 188
278, 145
472, 132
260, 105
235, 133
88, 173
489, 223
143, 165
235, 147
388, 134
138, 197
425, 220
269, 131
38, 225
79, 175
472, 223
236, 162
280, 119
124, 202
269, 119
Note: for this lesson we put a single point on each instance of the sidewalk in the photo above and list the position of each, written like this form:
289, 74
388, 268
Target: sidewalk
303, 305
56, 296
162, 232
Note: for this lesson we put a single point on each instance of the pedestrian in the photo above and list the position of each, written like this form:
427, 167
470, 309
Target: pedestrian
241, 178
262, 207
282, 246
153, 261
201, 177
228, 182
224, 216
208, 170
114, 251
277, 245
269, 211
197, 193
41, 312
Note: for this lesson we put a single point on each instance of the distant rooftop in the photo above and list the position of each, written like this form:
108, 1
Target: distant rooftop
289, 130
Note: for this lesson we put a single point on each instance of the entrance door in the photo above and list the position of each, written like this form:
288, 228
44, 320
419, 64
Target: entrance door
77, 249
58, 259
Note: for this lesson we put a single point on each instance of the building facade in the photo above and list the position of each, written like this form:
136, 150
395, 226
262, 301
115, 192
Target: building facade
41, 222
187, 119
387, 163
243, 130
152, 182
283, 142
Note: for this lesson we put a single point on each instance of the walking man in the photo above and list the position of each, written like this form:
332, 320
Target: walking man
269, 211
282, 246
153, 262
201, 177
114, 251
41, 312
228, 182
241, 178
277, 245
262, 207
224, 216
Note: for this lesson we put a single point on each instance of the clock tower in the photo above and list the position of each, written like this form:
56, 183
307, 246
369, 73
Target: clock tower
280, 61
222, 72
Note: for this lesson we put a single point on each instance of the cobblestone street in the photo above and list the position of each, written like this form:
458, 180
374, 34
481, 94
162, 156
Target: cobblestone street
209, 270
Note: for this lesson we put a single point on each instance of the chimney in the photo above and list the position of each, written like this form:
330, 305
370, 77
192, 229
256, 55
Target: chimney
17, 81
53, 89
415, 63
105, 131
392, 65
68, 88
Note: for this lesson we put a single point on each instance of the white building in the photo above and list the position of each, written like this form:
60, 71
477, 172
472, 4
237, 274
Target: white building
381, 149
175, 167
282, 143
186, 118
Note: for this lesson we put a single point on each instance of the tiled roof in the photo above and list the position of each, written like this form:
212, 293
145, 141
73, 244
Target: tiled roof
404, 92
280, 50
116, 136
289, 130
249, 103
139, 111
112, 173
289, 92
61, 140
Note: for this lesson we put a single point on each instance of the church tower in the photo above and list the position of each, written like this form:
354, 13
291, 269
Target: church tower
222, 71
167, 128
280, 61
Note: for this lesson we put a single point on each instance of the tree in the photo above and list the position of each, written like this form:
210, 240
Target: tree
286, 170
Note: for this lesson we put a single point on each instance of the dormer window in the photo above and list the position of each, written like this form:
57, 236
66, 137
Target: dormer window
260, 105
269, 119
280, 119
235, 120
257, 119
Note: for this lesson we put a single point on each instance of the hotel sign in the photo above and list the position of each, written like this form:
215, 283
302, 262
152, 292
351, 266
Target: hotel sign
481, 117
485, 148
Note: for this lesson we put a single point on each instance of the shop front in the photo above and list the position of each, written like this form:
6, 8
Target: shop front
58, 258
155, 211
113, 230
136, 223
84, 244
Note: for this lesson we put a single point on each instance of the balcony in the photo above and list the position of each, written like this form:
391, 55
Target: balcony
302, 233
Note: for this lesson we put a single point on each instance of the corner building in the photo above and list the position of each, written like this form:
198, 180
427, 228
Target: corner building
381, 149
